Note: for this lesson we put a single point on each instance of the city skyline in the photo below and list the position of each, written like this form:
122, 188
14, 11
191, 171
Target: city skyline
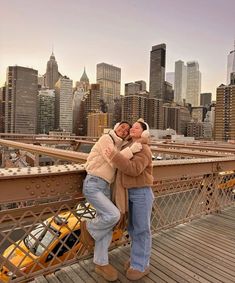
83, 34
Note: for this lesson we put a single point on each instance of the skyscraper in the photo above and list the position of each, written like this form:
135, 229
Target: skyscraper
117, 111
193, 83
225, 112
171, 115
168, 92
83, 84
81, 88
180, 82
97, 122
2, 108
170, 78
90, 104
142, 85
195, 129
52, 73
157, 71
198, 113
134, 106
21, 100
205, 99
109, 79
134, 88
185, 117
46, 111
155, 113
230, 64
93, 99
64, 101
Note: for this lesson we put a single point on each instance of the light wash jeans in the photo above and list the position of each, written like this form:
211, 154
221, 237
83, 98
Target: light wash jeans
140, 209
98, 194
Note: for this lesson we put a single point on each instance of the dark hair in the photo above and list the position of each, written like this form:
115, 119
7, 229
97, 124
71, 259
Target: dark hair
143, 125
125, 122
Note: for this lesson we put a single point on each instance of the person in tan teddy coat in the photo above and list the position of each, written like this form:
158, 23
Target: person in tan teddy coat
134, 180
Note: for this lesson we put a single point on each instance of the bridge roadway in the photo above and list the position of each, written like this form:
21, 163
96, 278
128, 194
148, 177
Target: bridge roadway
200, 251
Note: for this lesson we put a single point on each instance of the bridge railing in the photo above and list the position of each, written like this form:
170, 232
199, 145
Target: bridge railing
51, 147
42, 207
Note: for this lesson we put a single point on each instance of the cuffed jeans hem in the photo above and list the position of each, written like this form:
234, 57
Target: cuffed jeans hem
139, 269
100, 263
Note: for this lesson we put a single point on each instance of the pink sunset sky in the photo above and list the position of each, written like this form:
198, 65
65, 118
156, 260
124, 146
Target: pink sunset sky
121, 33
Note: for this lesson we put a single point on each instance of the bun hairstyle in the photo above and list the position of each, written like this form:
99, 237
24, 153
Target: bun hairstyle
119, 123
145, 127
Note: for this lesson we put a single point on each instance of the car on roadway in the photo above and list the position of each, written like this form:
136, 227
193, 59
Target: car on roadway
49, 243
227, 180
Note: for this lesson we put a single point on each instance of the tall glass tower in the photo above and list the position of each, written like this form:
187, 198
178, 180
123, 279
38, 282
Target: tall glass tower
230, 64
180, 81
193, 89
157, 71
21, 100
52, 74
109, 79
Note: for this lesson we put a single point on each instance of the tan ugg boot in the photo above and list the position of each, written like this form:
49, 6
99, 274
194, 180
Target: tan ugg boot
107, 271
134, 274
85, 236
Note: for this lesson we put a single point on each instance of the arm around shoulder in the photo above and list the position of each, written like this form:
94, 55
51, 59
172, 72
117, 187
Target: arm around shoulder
136, 165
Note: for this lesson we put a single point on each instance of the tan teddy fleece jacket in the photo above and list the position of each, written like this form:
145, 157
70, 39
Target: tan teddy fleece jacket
134, 173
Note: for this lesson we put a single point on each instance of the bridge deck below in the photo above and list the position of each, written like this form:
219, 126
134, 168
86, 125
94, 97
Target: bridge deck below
200, 251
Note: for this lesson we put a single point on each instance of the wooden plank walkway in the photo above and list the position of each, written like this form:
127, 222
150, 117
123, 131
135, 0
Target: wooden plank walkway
200, 251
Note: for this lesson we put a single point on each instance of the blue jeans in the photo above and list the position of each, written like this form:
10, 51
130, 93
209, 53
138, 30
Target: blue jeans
98, 194
140, 209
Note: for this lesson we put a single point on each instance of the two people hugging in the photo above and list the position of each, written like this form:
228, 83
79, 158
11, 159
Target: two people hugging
124, 155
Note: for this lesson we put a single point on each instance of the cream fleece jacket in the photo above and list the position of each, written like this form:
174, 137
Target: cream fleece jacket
98, 164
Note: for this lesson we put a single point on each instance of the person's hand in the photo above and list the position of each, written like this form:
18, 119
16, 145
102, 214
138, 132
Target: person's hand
136, 147
108, 152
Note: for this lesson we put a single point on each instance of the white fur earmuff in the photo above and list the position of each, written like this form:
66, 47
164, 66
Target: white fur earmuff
116, 126
145, 133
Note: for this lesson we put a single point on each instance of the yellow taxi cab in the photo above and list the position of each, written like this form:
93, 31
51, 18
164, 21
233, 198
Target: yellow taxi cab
227, 180
49, 243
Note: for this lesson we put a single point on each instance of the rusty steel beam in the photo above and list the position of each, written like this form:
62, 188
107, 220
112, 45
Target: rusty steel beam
35, 183
81, 157
43, 141
200, 147
182, 152
186, 168
53, 141
15, 136
77, 157
219, 144
40, 182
